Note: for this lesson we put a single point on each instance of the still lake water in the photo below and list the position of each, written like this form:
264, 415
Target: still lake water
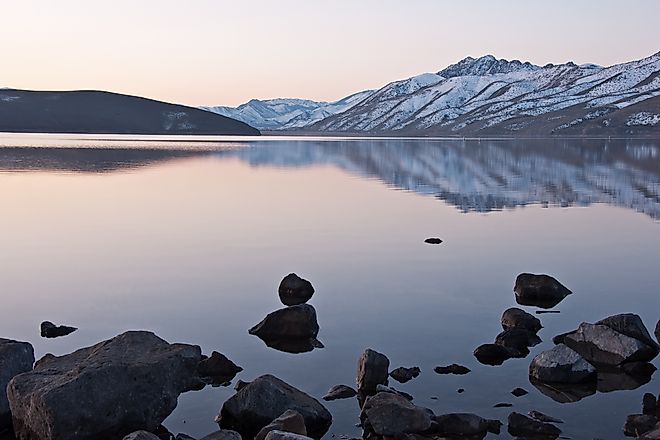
191, 238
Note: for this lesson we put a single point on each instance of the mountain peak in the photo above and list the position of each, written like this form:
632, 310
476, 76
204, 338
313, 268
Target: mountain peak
485, 65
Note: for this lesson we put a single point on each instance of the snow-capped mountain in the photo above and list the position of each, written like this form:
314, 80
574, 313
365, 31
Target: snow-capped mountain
283, 113
487, 96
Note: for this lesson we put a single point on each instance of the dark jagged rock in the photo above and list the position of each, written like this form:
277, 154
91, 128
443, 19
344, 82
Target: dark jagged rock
372, 370
600, 344
543, 417
544, 312
639, 424
403, 374
339, 392
519, 392
503, 405
266, 398
541, 291
141, 435
50, 330
108, 390
492, 354
389, 414
464, 425
433, 240
380, 388
240, 384
523, 426
218, 369
294, 290
630, 325
518, 318
517, 341
223, 434
460, 390
561, 364
290, 421
650, 405
15, 358
181, 436
565, 392
559, 339
452, 369
295, 322
657, 331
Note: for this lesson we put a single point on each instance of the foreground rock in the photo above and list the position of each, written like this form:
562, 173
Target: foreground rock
290, 421
339, 392
403, 374
294, 290
50, 330
518, 318
266, 398
600, 344
218, 369
389, 414
523, 426
464, 425
539, 290
108, 390
372, 370
492, 354
561, 364
632, 326
452, 369
15, 358
141, 435
223, 434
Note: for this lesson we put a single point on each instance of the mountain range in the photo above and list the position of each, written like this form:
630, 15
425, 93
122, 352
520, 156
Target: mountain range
483, 96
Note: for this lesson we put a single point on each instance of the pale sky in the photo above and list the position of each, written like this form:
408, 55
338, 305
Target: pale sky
217, 52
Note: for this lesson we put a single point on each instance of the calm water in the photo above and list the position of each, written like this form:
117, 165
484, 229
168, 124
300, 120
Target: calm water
190, 239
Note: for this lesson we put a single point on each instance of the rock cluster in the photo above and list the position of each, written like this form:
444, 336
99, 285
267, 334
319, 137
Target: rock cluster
518, 335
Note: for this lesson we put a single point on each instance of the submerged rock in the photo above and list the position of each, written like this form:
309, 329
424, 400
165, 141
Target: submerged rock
295, 322
294, 290
266, 398
15, 358
561, 364
403, 374
517, 341
518, 318
108, 390
389, 414
339, 392
464, 425
372, 370
290, 421
543, 417
50, 330
541, 291
519, 392
433, 240
452, 369
492, 354
503, 405
523, 426
218, 369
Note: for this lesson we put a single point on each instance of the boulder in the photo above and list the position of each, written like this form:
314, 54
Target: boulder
372, 370
561, 364
289, 421
638, 424
464, 425
218, 369
389, 414
600, 344
15, 358
539, 290
517, 341
339, 392
492, 354
523, 426
452, 369
281, 435
518, 318
543, 417
295, 322
108, 390
294, 290
50, 330
630, 325
141, 435
223, 434
403, 374
266, 398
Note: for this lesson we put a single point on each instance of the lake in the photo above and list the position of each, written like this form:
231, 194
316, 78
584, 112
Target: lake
190, 237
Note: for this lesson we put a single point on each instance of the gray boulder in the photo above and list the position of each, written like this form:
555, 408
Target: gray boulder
518, 318
630, 325
373, 369
282, 435
264, 399
223, 434
561, 364
339, 392
108, 390
541, 291
403, 374
464, 425
141, 435
295, 322
294, 290
600, 344
289, 421
15, 358
523, 426
389, 414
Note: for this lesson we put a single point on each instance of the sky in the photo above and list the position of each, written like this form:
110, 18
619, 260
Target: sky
217, 52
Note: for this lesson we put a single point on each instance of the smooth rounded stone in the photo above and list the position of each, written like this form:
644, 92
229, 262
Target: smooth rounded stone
599, 344
281, 435
519, 392
518, 318
523, 426
639, 424
295, 322
543, 417
541, 291
339, 392
433, 240
50, 330
561, 364
218, 369
266, 398
294, 290
290, 421
373, 369
492, 354
15, 358
223, 434
389, 414
403, 374
108, 390
518, 341
141, 435
464, 425
452, 369
630, 325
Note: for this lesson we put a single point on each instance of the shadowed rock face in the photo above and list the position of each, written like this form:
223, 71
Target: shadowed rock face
523, 426
464, 425
108, 390
372, 371
15, 358
295, 322
389, 414
561, 365
539, 290
518, 318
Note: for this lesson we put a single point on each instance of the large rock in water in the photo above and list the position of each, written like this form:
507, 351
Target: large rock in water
372, 371
518, 318
631, 325
261, 401
295, 322
108, 390
390, 414
561, 364
600, 344
15, 358
539, 290
294, 290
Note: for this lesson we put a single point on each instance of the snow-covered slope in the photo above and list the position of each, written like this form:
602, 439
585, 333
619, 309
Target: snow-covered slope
491, 96
282, 114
